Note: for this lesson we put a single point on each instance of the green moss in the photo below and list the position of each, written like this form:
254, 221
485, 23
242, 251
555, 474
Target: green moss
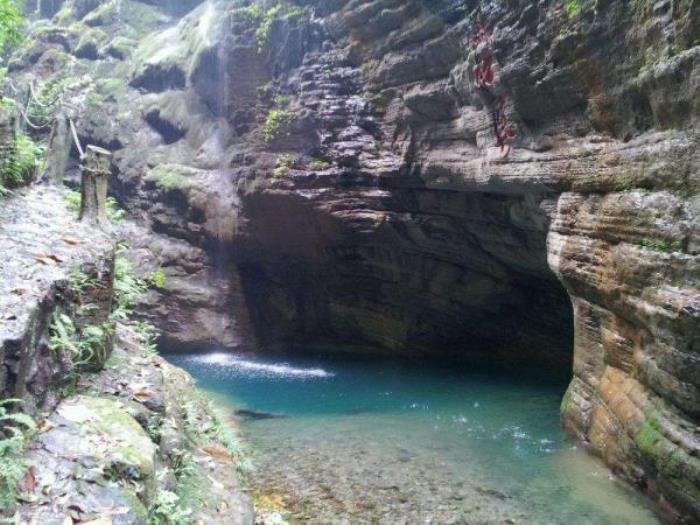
276, 123
319, 165
89, 43
660, 245
261, 19
648, 438
121, 47
284, 164
111, 89
167, 177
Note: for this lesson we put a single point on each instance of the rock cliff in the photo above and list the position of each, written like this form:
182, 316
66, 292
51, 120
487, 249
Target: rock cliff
482, 180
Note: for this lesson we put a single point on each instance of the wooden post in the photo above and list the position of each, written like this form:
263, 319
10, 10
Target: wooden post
95, 167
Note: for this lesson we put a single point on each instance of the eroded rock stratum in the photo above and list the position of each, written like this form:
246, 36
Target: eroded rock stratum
429, 177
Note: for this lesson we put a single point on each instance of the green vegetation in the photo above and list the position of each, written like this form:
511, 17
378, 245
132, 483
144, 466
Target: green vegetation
147, 335
624, 184
156, 278
262, 19
284, 164
128, 288
319, 165
81, 346
166, 177
11, 21
22, 165
276, 123
85, 345
15, 428
166, 510
576, 8
114, 213
660, 245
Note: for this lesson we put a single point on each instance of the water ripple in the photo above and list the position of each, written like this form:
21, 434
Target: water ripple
238, 365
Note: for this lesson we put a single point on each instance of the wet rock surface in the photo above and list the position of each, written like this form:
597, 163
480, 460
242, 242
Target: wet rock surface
111, 450
44, 245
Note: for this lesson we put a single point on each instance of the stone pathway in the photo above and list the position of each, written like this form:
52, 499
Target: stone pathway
41, 241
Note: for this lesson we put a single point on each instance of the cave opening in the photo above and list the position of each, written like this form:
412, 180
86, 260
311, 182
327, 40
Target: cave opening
469, 283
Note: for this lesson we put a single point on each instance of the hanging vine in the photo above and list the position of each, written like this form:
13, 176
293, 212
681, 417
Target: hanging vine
484, 77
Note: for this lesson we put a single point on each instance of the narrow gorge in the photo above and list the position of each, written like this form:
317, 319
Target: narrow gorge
400, 242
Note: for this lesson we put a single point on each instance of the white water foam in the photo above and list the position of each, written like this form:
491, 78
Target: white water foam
238, 364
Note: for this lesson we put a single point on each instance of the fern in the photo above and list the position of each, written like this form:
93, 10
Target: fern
13, 436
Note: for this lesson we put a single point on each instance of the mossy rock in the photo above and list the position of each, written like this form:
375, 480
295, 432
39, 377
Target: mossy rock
666, 460
110, 89
90, 43
120, 47
113, 439
103, 15
171, 176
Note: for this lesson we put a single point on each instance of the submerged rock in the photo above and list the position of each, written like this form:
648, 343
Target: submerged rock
256, 415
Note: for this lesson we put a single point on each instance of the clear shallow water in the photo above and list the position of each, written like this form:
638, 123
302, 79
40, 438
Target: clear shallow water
391, 441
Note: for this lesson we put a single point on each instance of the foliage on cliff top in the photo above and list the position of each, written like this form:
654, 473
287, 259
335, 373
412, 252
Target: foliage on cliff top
262, 18
10, 24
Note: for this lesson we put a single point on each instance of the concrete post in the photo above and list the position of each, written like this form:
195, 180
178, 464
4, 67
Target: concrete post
59, 149
95, 168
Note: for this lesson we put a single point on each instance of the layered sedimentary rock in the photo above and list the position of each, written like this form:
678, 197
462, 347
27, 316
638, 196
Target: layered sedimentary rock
509, 180
423, 232
52, 264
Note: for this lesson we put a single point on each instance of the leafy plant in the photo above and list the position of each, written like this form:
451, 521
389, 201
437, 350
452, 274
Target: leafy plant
166, 510
660, 245
147, 334
128, 288
284, 163
13, 436
277, 121
21, 165
80, 346
11, 22
261, 19
156, 278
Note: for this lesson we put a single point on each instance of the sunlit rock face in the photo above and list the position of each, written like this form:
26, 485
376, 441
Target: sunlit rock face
483, 180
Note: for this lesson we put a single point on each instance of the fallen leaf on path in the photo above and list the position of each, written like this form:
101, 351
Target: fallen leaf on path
29, 483
46, 426
217, 453
43, 259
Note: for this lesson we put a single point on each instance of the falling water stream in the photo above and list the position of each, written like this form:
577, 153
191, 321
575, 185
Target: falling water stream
360, 440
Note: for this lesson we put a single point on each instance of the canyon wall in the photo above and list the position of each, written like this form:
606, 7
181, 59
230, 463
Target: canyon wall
506, 180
